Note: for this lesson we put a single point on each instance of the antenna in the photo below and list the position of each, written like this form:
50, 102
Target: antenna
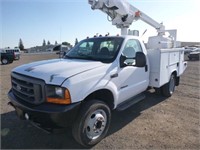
144, 33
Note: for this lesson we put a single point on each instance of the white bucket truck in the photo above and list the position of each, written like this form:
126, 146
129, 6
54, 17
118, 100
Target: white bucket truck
98, 75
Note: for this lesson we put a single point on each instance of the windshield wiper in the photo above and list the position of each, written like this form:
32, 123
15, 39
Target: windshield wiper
67, 56
85, 56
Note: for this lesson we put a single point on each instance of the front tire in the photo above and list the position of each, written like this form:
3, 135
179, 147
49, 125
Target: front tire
168, 89
92, 123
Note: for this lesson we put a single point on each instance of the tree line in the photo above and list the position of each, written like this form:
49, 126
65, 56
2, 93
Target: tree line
21, 45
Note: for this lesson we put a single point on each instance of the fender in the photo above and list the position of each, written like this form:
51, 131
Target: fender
108, 86
79, 92
171, 71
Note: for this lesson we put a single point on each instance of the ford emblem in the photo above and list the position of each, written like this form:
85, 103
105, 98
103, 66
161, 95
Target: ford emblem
19, 88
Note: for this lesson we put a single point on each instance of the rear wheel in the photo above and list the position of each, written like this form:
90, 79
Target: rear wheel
168, 89
4, 61
92, 124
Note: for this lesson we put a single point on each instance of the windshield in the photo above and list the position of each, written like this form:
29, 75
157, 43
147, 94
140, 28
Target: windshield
104, 49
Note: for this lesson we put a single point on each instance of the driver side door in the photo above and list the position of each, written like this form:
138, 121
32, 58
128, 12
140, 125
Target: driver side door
132, 80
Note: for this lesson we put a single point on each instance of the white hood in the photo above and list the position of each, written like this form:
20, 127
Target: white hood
57, 70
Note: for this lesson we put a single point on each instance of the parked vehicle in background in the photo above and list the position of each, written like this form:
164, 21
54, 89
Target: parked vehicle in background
188, 50
6, 58
16, 52
61, 50
195, 54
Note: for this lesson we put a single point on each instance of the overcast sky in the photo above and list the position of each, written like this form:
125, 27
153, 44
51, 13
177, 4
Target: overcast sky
66, 20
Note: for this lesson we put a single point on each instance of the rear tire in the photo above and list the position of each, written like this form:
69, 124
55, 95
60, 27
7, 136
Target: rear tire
4, 61
92, 123
168, 89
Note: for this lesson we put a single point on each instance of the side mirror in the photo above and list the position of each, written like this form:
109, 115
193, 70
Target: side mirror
140, 59
122, 60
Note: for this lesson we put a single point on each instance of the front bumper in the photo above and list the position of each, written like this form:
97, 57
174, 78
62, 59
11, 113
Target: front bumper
45, 115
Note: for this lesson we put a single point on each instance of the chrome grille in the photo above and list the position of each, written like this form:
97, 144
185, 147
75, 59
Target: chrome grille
27, 89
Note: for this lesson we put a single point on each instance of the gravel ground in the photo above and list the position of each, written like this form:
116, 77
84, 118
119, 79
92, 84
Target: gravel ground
154, 123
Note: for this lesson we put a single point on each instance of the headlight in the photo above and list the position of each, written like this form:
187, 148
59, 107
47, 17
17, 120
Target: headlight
59, 91
58, 95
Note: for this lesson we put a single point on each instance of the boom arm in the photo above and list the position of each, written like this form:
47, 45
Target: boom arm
124, 14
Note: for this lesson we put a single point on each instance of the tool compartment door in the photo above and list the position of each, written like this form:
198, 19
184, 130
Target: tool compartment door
162, 63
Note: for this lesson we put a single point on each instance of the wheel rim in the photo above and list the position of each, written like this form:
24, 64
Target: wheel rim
5, 61
172, 84
95, 124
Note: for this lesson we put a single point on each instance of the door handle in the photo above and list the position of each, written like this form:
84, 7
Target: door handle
114, 75
146, 68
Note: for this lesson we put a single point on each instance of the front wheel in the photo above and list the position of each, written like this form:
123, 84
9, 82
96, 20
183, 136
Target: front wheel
92, 123
168, 89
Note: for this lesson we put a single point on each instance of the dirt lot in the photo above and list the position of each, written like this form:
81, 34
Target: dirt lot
154, 123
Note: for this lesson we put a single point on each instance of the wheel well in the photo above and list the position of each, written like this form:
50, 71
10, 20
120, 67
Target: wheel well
103, 95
